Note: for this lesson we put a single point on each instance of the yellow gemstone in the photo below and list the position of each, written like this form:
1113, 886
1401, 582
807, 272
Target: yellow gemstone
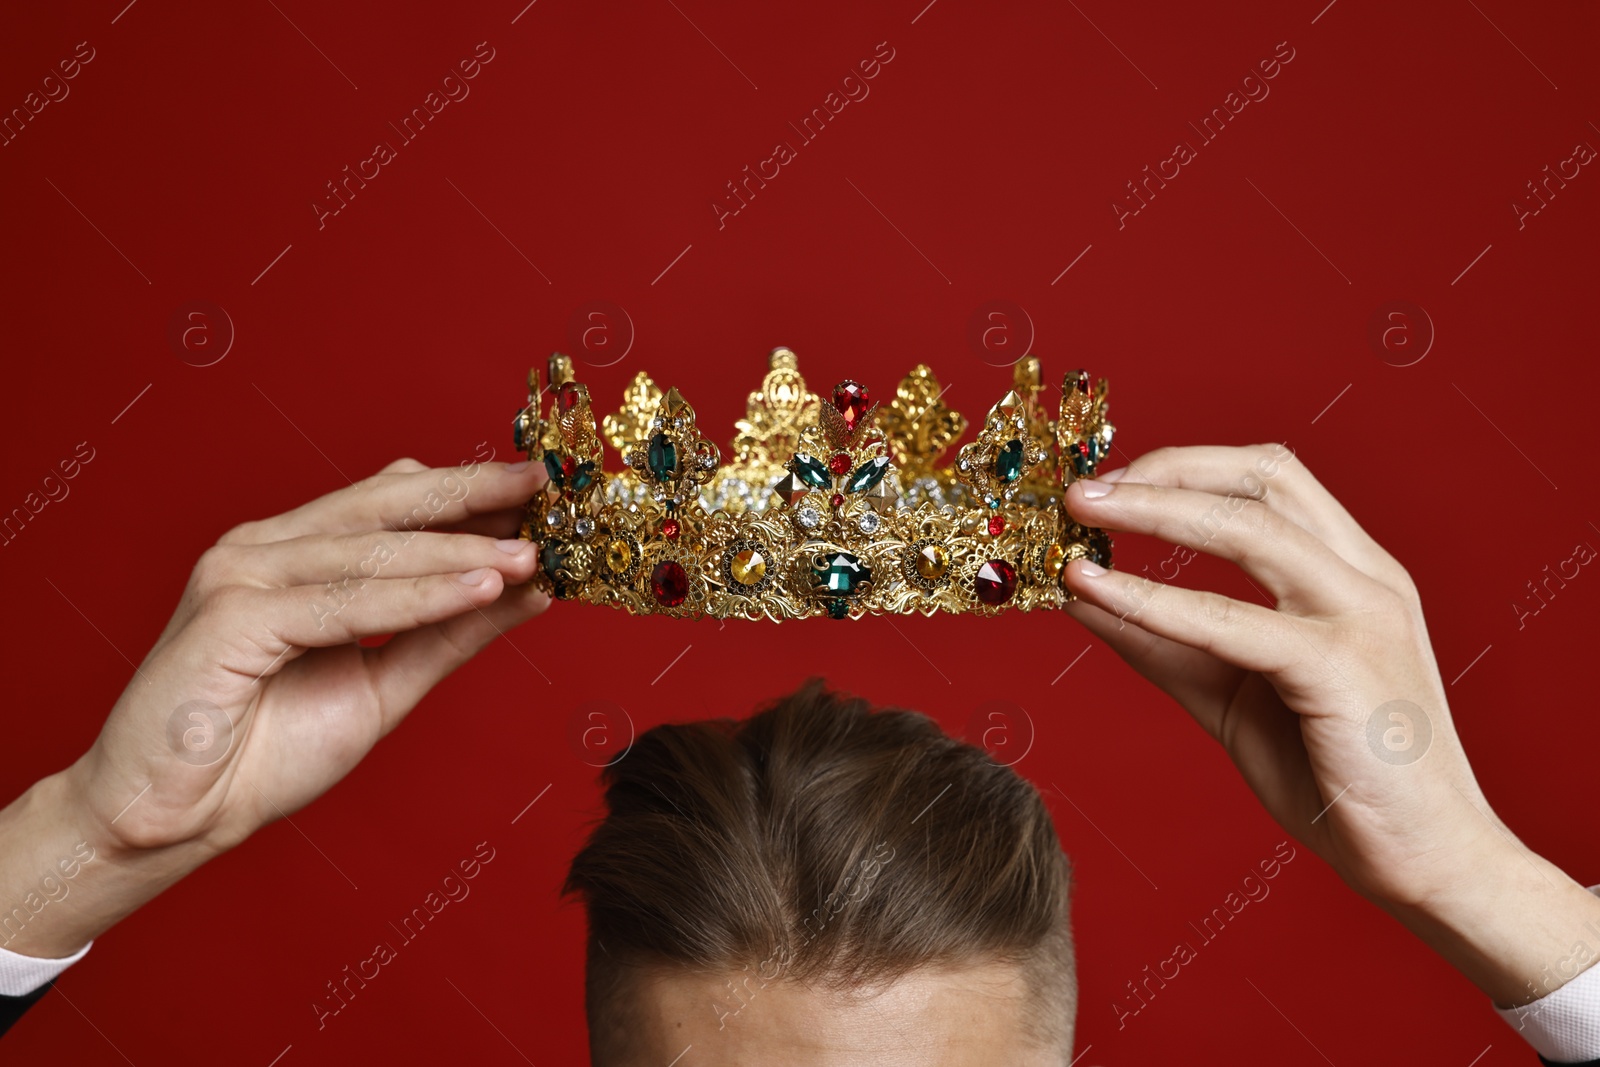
619, 554
932, 562
748, 566
1055, 557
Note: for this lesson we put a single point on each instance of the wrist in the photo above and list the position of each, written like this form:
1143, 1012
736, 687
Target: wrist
139, 810
65, 878
1422, 851
1507, 919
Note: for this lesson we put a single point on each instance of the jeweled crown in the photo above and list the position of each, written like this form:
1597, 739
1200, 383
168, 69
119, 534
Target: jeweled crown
829, 507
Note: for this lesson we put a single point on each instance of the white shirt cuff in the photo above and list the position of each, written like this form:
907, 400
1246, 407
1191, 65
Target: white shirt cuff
1564, 1026
20, 975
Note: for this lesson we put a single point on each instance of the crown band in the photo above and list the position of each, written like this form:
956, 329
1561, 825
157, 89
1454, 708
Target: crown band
827, 508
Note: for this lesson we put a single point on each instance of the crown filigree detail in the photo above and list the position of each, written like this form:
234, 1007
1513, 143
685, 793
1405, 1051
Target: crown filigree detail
829, 506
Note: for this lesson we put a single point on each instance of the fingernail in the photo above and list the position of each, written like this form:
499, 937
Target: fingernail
1093, 488
518, 467
1090, 569
512, 547
474, 578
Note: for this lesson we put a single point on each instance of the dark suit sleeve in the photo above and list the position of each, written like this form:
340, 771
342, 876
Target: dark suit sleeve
1553, 1063
12, 1008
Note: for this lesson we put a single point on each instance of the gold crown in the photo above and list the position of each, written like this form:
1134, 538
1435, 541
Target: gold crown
828, 507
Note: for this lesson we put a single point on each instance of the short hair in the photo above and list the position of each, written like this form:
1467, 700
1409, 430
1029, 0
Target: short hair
826, 843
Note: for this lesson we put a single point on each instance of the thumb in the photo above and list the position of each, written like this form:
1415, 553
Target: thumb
1195, 679
404, 669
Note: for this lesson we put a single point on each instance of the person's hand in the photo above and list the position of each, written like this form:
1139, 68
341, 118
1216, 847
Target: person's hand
1327, 698
257, 697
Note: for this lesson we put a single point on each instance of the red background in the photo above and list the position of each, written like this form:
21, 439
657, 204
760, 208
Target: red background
595, 141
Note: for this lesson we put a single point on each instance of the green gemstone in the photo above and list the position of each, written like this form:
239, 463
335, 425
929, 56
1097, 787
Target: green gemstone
553, 556
838, 609
812, 472
583, 476
842, 573
663, 457
552, 467
519, 431
1008, 463
868, 475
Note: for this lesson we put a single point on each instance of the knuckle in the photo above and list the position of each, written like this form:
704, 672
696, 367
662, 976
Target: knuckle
1384, 619
1406, 587
1397, 578
404, 465
370, 483
1155, 460
243, 534
1218, 613
1260, 522
228, 602
1386, 605
1271, 459
213, 570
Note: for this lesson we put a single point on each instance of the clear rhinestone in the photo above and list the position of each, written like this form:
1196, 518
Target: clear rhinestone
706, 462
656, 424
584, 526
868, 522
808, 516
962, 463
553, 518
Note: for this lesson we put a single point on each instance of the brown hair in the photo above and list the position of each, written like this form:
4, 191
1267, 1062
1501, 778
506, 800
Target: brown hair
825, 843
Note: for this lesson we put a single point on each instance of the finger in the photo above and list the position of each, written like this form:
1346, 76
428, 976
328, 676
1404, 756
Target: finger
404, 669
505, 523
1259, 735
387, 554
317, 616
1200, 682
1270, 473
1249, 636
1297, 568
425, 499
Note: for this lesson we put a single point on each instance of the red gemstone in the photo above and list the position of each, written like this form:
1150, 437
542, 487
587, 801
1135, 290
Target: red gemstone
997, 581
669, 583
669, 528
567, 396
569, 467
852, 401
840, 463
997, 525
837, 501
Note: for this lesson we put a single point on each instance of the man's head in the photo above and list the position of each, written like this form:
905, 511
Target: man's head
824, 884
